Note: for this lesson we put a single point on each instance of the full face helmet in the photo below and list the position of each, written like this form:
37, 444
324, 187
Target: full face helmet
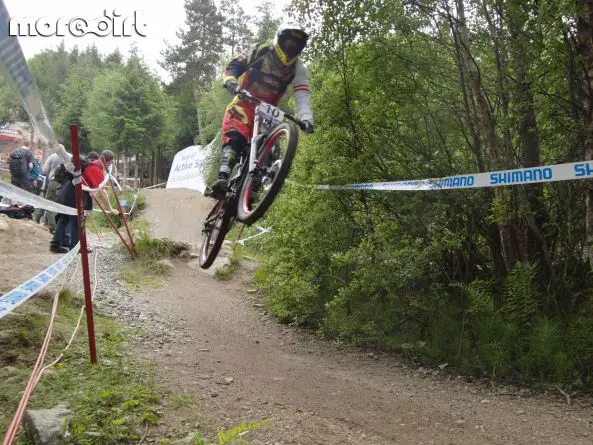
289, 42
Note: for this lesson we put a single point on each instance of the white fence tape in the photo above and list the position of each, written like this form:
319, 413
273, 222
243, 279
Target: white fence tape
19, 295
14, 193
262, 231
154, 186
551, 173
13, 66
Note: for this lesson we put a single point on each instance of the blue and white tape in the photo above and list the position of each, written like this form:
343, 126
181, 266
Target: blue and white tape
502, 178
17, 296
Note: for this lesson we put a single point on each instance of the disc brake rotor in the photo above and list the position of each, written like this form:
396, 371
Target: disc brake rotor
268, 180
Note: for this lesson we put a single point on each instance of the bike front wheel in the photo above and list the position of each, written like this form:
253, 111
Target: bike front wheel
260, 188
215, 229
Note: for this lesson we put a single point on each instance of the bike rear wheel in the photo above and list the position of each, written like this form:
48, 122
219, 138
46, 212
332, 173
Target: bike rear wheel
274, 161
215, 229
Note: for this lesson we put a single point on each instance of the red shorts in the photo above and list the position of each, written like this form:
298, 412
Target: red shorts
238, 117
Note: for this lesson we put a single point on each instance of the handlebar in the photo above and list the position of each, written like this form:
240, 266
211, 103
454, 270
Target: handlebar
247, 96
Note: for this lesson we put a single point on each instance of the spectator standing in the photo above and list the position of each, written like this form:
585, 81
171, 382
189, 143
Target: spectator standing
56, 180
92, 176
20, 165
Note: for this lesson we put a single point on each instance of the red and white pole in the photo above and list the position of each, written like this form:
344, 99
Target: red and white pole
77, 181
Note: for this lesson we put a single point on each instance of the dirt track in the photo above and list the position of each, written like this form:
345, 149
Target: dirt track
316, 392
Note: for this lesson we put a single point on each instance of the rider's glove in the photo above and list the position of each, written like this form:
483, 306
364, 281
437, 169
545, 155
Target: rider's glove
232, 87
307, 127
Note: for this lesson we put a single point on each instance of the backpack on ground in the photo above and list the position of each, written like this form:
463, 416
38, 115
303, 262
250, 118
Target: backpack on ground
22, 212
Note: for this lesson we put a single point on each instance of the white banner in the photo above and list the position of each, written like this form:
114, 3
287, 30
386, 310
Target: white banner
19, 295
187, 169
551, 173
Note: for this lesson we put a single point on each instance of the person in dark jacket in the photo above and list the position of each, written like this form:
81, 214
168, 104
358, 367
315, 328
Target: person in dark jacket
20, 165
92, 176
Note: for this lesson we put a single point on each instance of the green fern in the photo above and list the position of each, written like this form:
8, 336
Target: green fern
547, 356
233, 435
520, 304
480, 296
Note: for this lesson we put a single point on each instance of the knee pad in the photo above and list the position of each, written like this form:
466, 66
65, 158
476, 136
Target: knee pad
237, 141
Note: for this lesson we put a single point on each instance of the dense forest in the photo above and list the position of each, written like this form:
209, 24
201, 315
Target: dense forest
496, 282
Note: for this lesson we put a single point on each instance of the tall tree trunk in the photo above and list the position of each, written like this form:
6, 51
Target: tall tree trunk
153, 179
585, 51
572, 79
197, 97
157, 166
504, 198
126, 171
136, 170
535, 248
482, 126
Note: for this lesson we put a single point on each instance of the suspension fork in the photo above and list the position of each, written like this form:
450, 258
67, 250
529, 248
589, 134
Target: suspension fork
254, 141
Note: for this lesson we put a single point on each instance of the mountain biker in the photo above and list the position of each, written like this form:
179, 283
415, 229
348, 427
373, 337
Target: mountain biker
266, 71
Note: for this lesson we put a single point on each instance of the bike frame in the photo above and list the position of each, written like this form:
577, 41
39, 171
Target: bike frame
255, 136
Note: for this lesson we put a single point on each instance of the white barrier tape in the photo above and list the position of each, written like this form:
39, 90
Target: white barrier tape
116, 183
262, 231
133, 205
101, 186
17, 296
77, 177
14, 193
13, 66
129, 212
154, 186
551, 173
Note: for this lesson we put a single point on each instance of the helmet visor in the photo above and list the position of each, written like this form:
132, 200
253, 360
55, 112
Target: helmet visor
292, 42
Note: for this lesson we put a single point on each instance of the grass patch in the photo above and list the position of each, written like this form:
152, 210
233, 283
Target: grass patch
234, 435
112, 401
180, 401
141, 225
153, 248
144, 273
148, 267
98, 222
226, 272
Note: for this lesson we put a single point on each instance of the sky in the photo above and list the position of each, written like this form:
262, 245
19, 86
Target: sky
158, 21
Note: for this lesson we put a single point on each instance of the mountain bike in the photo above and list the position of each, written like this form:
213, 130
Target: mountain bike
257, 180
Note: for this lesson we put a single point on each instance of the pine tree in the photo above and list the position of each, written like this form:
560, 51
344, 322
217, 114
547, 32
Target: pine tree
194, 61
266, 22
196, 57
236, 33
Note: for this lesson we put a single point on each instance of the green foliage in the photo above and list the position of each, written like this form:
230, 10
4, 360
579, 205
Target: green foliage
235, 30
266, 22
520, 304
194, 60
233, 434
153, 248
148, 267
226, 272
425, 272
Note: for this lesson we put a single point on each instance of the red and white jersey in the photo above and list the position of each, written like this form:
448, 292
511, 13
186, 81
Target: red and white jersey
267, 80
